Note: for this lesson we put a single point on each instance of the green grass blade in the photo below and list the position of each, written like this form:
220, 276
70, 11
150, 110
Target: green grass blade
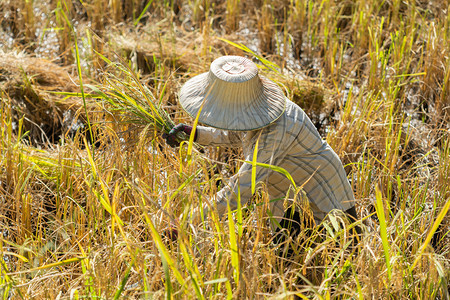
239, 213
183, 185
143, 12
233, 245
160, 245
50, 265
125, 279
435, 226
254, 161
80, 78
383, 230
78, 64
104, 196
272, 66
276, 169
193, 270
168, 283
194, 126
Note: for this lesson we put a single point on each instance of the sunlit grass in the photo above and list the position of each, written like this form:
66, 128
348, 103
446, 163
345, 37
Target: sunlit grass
83, 215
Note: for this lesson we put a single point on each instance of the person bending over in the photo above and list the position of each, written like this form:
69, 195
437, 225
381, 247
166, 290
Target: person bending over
240, 107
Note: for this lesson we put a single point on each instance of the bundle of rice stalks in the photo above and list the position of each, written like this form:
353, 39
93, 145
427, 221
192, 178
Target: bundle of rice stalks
130, 102
34, 89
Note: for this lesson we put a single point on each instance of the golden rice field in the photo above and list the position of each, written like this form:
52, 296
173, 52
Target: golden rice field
88, 185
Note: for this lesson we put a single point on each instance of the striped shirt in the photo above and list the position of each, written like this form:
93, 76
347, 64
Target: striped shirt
294, 144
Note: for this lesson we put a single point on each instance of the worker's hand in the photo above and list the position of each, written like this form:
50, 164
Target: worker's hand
171, 137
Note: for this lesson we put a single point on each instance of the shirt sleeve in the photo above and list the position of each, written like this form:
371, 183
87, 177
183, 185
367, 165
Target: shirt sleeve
208, 136
270, 152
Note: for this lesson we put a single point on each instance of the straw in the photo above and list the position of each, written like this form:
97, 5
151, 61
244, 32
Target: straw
131, 102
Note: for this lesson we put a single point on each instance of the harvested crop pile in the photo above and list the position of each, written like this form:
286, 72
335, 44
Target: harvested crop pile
32, 85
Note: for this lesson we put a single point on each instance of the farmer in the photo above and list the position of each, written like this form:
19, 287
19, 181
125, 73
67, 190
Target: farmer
241, 107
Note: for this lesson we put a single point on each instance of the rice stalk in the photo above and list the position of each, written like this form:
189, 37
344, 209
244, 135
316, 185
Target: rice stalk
266, 27
254, 161
232, 15
433, 229
164, 252
383, 231
267, 63
386, 65
193, 269
29, 19
51, 265
102, 196
194, 126
131, 103
64, 12
125, 279
235, 261
142, 13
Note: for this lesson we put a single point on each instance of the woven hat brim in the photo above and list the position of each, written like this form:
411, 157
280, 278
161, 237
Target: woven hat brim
260, 111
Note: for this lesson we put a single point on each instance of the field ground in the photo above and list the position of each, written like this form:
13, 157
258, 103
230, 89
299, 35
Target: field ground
87, 188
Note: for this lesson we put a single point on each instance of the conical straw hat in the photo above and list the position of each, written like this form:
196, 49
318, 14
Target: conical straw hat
233, 95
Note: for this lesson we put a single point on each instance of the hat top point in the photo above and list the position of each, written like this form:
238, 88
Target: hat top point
233, 68
232, 96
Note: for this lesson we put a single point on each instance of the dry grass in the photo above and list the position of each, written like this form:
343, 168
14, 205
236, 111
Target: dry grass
31, 86
83, 205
